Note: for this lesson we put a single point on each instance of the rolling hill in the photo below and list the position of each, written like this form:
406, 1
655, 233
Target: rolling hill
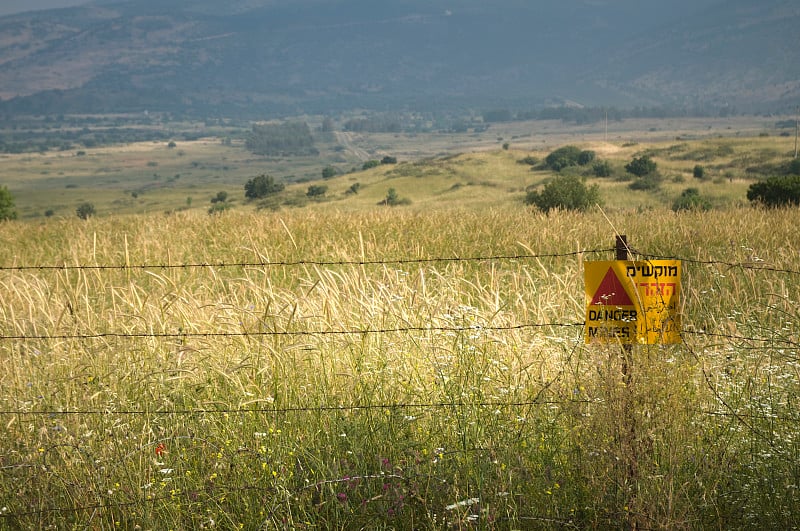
277, 57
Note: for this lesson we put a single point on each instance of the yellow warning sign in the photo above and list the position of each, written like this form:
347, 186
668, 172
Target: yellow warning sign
633, 301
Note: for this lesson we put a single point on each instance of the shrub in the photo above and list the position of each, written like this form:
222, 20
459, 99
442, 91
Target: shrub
776, 191
85, 210
221, 197
370, 164
566, 192
219, 208
328, 172
563, 157
690, 199
641, 166
316, 190
650, 181
261, 186
794, 167
7, 210
389, 160
585, 157
530, 160
602, 169
699, 172
354, 188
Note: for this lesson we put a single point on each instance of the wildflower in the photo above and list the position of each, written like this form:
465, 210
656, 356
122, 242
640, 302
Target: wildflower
160, 449
342, 497
463, 503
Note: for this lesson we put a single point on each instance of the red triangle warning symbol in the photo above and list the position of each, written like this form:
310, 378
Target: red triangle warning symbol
611, 292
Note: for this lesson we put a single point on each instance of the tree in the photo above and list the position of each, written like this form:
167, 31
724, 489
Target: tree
393, 199
641, 166
776, 191
567, 192
370, 164
389, 160
7, 210
85, 210
690, 199
261, 186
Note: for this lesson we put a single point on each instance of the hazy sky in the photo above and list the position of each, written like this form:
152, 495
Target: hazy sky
8, 7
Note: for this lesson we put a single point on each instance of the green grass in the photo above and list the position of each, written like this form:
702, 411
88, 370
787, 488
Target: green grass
460, 395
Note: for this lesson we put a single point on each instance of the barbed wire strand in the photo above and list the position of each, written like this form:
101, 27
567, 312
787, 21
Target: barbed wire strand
293, 263
752, 265
789, 343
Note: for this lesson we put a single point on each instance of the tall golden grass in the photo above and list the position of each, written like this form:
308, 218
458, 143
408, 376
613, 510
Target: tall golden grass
322, 369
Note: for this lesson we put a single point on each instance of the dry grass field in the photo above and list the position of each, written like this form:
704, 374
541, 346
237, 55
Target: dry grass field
346, 365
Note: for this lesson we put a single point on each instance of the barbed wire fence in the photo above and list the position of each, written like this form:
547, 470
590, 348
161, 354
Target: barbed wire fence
788, 343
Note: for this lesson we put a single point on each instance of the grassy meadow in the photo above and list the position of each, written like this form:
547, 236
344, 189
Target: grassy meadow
332, 367
434, 170
328, 363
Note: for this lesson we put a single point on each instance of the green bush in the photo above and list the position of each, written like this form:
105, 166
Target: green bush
221, 197
690, 199
567, 192
602, 169
530, 160
328, 172
641, 166
316, 190
566, 156
370, 164
776, 191
699, 172
261, 186
85, 211
7, 210
218, 208
585, 157
647, 182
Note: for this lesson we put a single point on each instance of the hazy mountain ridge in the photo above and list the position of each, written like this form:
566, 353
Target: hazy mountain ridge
279, 56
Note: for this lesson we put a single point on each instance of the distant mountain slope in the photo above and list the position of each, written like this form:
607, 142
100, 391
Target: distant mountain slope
287, 56
740, 53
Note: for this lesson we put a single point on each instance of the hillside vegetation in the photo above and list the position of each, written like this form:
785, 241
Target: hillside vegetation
496, 167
